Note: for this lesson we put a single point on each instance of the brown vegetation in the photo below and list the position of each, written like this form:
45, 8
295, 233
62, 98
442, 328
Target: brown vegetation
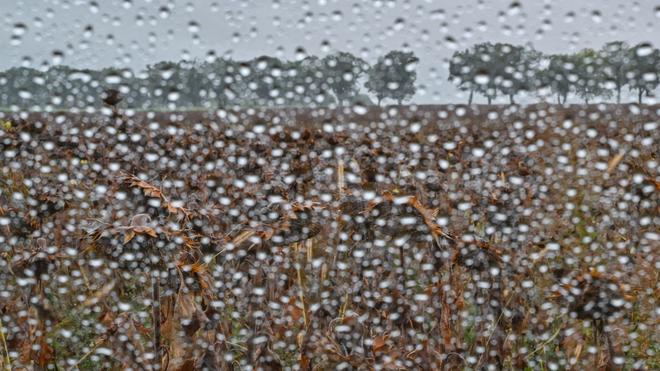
430, 237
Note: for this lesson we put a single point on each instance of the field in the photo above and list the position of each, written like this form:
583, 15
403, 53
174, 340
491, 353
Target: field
397, 238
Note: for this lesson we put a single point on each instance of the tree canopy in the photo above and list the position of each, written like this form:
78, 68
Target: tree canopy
262, 81
393, 76
504, 69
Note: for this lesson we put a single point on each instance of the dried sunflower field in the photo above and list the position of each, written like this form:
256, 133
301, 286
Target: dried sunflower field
405, 237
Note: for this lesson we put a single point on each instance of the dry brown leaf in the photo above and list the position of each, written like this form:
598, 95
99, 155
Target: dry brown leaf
267, 234
185, 305
242, 237
201, 273
100, 294
146, 230
655, 182
178, 210
379, 342
304, 362
180, 343
295, 312
107, 319
341, 182
614, 162
128, 236
46, 354
427, 215
25, 351
578, 351
147, 188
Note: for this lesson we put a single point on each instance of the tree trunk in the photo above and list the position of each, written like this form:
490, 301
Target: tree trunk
618, 95
399, 101
558, 98
489, 100
511, 99
639, 95
379, 100
564, 100
471, 96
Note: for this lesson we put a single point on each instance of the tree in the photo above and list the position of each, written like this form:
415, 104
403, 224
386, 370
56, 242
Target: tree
489, 69
266, 79
393, 76
163, 82
516, 65
265, 70
462, 71
342, 71
194, 84
311, 83
590, 73
376, 83
24, 86
223, 82
560, 75
643, 72
616, 59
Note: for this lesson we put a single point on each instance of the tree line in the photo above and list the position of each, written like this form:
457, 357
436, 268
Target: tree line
262, 81
487, 69
502, 69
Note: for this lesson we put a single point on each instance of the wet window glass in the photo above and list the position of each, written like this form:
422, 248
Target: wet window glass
329, 185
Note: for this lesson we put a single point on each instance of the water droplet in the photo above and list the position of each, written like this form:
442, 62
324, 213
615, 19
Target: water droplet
173, 96
421, 297
410, 67
438, 14
644, 50
94, 7
481, 79
113, 79
57, 57
514, 8
360, 109
244, 69
88, 31
618, 302
300, 54
164, 12
193, 27
19, 29
399, 24
325, 46
478, 152
451, 43
569, 17
650, 76
15, 40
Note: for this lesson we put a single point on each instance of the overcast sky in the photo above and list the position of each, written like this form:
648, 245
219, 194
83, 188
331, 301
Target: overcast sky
103, 33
